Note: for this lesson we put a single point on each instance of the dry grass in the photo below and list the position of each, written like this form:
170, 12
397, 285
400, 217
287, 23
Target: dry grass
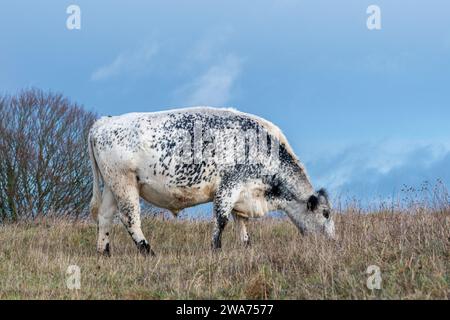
412, 251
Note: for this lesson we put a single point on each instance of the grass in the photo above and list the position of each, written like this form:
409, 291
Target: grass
412, 251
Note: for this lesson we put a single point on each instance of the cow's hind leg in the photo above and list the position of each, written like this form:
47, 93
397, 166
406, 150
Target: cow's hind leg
241, 227
127, 197
106, 214
223, 205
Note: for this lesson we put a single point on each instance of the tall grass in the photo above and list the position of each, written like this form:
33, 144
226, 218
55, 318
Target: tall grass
411, 249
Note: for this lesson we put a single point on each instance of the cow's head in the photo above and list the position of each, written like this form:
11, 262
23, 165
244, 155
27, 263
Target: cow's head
313, 214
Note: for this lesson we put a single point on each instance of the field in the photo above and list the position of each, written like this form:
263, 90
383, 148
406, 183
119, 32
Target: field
411, 250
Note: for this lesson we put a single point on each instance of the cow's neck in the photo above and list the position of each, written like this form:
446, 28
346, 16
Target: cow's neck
297, 181
295, 211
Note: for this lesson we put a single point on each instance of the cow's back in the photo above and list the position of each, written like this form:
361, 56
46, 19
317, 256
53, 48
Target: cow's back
159, 148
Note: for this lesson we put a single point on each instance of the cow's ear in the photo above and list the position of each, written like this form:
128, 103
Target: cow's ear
312, 203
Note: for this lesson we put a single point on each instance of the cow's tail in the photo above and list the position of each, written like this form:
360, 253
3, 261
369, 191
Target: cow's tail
96, 195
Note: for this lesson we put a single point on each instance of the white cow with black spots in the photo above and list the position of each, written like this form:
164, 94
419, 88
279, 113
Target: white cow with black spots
180, 158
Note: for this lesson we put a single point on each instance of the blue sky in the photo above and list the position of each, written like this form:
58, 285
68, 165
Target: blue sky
367, 111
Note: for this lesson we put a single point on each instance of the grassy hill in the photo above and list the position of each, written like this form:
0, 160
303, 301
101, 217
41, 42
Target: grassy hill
412, 251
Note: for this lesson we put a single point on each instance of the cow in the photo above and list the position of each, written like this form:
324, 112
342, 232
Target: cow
179, 158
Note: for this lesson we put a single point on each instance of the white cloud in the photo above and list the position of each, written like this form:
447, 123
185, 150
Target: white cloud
128, 62
381, 167
210, 45
215, 85
210, 70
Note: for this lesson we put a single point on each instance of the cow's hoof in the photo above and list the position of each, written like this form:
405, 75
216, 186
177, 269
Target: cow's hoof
105, 252
144, 248
216, 247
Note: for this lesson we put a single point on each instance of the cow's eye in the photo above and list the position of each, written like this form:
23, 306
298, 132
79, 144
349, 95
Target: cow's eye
326, 214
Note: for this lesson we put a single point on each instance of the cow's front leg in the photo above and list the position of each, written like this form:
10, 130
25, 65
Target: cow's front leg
129, 209
223, 205
241, 226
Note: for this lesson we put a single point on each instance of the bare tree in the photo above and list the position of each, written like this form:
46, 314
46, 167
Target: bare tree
44, 163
